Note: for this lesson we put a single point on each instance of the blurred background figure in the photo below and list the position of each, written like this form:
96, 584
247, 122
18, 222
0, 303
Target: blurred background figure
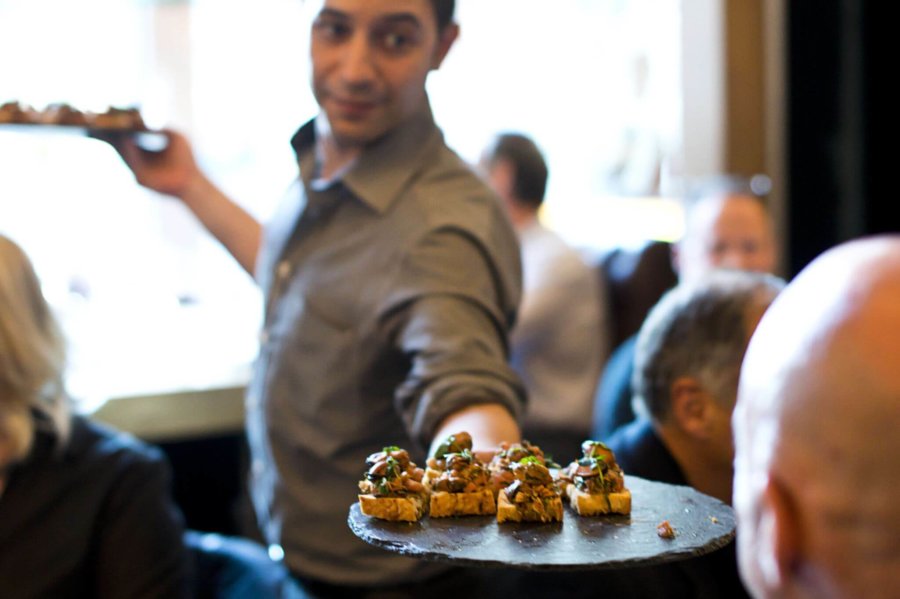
687, 361
816, 471
84, 511
559, 341
727, 226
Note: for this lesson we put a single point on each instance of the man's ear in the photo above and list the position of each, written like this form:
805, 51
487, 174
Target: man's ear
689, 406
445, 41
778, 536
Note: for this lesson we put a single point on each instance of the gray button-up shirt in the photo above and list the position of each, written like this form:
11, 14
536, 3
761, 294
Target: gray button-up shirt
389, 294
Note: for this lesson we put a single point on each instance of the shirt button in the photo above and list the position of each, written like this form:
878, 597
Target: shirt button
284, 269
257, 467
263, 337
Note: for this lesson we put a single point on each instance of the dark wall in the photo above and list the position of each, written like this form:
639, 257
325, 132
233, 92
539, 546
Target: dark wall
838, 144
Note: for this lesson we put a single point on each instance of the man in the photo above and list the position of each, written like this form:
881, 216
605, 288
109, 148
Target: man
558, 343
727, 226
817, 475
390, 278
689, 354
687, 362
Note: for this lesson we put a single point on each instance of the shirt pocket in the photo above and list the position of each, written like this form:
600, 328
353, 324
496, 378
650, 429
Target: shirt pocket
312, 360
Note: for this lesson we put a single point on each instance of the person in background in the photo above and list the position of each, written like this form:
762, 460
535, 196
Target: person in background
727, 226
85, 511
687, 361
816, 471
559, 342
391, 277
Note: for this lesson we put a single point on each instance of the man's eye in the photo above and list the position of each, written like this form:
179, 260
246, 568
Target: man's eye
396, 41
332, 30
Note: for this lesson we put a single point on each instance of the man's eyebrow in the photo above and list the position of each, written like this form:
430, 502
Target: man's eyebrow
401, 18
332, 13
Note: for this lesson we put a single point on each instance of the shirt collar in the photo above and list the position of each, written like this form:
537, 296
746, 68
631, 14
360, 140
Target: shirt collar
384, 168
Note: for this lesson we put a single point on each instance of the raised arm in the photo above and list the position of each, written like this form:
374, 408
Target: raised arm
174, 171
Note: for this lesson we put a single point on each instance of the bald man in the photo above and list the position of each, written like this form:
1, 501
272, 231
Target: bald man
727, 225
817, 432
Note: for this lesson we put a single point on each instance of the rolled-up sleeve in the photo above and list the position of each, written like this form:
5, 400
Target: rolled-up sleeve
449, 312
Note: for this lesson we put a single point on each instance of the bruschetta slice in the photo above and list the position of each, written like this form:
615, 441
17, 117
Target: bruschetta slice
594, 484
500, 466
457, 480
532, 497
392, 487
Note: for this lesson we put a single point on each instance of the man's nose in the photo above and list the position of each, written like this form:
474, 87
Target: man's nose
736, 259
357, 66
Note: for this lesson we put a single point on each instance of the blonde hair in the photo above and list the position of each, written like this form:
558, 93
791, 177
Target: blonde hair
32, 356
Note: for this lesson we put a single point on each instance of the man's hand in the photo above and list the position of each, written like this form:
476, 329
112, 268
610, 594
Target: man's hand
171, 171
489, 425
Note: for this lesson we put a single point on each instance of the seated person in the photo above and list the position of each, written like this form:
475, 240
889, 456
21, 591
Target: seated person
816, 470
688, 360
84, 511
727, 226
558, 342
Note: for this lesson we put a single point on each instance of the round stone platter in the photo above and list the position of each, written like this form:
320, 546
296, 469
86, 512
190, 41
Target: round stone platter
701, 523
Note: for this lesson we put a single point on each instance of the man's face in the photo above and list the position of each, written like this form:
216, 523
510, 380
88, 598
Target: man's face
370, 60
499, 176
727, 232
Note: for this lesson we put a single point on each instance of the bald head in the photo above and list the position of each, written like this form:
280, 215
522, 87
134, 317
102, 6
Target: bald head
817, 431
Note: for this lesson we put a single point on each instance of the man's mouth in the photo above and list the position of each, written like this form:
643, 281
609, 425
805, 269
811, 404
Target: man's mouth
353, 108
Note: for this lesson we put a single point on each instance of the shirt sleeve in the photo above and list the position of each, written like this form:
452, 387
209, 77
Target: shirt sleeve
139, 550
450, 311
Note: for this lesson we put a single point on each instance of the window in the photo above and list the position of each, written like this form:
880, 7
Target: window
596, 85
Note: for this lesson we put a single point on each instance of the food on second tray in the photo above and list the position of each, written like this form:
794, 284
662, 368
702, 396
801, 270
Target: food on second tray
63, 114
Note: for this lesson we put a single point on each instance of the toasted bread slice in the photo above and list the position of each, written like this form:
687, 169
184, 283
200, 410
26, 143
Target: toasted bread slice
548, 509
445, 504
586, 504
400, 509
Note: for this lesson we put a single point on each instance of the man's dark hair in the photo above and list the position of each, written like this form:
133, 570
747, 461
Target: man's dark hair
698, 329
530, 169
443, 11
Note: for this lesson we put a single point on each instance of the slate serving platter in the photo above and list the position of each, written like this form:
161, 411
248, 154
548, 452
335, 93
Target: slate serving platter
146, 138
702, 524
